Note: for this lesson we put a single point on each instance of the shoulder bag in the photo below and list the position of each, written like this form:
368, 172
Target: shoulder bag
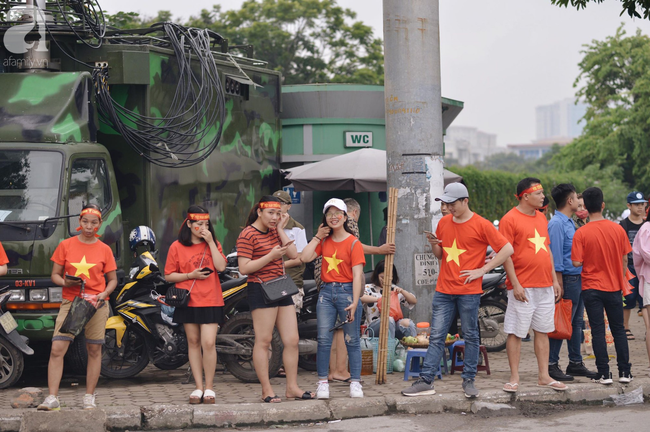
179, 297
278, 288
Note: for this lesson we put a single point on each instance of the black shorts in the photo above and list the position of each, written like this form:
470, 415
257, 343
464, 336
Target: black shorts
199, 315
256, 298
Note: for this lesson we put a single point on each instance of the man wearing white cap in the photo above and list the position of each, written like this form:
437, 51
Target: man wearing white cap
460, 243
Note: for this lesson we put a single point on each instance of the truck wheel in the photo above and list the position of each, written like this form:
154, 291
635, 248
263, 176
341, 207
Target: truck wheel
11, 363
76, 358
129, 359
241, 366
491, 314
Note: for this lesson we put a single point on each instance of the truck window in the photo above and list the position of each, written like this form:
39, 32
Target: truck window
89, 184
29, 184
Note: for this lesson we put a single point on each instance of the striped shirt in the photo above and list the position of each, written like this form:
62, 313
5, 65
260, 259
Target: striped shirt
254, 244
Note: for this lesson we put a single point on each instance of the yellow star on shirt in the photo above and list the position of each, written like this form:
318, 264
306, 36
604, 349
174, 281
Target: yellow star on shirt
333, 263
453, 253
83, 268
538, 241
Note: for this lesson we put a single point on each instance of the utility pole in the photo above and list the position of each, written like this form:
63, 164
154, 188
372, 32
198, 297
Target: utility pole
414, 139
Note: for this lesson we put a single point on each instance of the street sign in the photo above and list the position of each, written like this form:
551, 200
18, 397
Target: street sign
294, 194
358, 139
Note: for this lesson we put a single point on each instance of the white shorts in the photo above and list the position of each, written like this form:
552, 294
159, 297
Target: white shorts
646, 294
538, 314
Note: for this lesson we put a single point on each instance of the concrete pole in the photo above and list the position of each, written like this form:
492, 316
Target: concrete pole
414, 139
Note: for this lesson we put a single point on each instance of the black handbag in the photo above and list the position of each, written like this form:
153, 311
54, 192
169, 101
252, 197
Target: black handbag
279, 288
81, 311
179, 297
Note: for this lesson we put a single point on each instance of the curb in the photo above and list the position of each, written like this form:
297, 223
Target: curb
259, 414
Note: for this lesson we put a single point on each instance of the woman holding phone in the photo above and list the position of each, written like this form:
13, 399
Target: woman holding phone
81, 257
191, 264
343, 281
260, 248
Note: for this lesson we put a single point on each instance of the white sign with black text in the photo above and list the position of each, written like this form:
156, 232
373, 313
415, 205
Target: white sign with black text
426, 268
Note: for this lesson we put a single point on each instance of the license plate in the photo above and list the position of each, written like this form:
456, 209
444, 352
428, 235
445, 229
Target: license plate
8, 322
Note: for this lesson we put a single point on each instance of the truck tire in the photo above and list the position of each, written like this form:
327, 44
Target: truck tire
241, 366
129, 359
11, 363
76, 358
491, 314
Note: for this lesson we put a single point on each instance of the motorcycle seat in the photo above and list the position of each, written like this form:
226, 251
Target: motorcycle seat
232, 283
491, 278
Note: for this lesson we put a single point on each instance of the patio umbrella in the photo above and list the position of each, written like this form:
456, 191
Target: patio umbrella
361, 171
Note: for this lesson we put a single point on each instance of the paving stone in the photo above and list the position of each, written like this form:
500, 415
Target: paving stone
64, 421
167, 416
358, 407
123, 418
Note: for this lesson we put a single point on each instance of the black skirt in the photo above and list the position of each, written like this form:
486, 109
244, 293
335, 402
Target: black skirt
199, 315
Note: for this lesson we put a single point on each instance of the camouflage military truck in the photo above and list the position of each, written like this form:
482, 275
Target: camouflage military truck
56, 154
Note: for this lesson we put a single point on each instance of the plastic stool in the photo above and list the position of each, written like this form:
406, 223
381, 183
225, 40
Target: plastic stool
412, 366
457, 365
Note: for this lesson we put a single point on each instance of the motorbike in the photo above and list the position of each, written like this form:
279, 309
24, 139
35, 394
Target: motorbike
12, 345
492, 311
142, 330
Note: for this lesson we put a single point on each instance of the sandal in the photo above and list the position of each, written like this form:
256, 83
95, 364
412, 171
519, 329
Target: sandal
555, 385
511, 387
196, 396
272, 399
281, 373
306, 396
629, 334
208, 397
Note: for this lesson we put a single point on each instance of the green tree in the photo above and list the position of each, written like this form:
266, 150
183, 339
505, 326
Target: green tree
615, 83
634, 8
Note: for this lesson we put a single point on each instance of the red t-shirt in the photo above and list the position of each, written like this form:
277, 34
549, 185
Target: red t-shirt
87, 261
463, 248
254, 244
600, 247
186, 259
339, 258
3, 256
528, 236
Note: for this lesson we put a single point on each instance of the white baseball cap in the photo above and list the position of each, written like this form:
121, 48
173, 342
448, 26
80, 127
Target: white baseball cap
453, 192
335, 202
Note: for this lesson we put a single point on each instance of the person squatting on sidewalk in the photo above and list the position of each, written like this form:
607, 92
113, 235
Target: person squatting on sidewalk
343, 281
601, 248
561, 230
460, 243
532, 284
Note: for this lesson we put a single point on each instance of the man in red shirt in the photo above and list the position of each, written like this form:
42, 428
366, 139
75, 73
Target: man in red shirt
601, 248
532, 284
460, 243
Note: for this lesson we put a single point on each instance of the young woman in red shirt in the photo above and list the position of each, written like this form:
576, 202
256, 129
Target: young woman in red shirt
260, 248
192, 264
82, 256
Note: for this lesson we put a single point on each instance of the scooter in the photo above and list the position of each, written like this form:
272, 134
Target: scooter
142, 330
492, 312
12, 345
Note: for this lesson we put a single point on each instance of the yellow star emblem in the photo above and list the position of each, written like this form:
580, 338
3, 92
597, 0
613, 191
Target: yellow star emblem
333, 263
538, 241
453, 253
83, 268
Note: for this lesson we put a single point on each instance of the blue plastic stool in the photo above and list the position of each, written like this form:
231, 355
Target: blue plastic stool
455, 361
412, 367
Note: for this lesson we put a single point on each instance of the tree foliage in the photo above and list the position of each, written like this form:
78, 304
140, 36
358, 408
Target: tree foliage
309, 41
634, 8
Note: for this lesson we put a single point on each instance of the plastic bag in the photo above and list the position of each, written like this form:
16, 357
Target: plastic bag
80, 313
395, 307
630, 398
563, 328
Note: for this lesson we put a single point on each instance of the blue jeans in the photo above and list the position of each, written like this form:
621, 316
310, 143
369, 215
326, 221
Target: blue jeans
444, 311
573, 291
394, 331
333, 298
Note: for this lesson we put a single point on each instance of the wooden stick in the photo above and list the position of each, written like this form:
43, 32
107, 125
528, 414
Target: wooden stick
382, 351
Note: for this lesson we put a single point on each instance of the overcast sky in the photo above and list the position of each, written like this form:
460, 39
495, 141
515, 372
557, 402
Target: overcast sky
501, 57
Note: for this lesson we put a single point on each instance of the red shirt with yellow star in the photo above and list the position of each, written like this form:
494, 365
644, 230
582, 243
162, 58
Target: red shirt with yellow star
464, 246
528, 236
339, 258
87, 261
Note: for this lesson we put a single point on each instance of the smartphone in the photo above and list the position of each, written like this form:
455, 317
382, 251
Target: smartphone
430, 234
207, 270
289, 243
73, 278
339, 325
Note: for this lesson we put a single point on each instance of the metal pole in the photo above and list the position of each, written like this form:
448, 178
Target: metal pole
414, 139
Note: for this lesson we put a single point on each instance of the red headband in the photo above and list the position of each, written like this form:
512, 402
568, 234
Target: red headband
530, 190
270, 205
91, 211
198, 216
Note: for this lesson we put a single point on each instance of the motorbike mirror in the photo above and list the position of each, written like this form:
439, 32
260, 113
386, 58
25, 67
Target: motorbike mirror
496, 223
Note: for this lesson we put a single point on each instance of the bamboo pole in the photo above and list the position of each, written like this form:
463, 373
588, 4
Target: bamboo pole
382, 351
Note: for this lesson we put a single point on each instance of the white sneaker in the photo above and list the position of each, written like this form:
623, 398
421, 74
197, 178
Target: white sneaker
51, 403
89, 402
603, 379
355, 390
323, 391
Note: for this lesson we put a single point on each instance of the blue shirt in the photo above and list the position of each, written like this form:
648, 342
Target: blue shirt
561, 230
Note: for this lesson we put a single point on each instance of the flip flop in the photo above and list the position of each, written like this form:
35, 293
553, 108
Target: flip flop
196, 396
511, 387
272, 399
629, 334
306, 396
553, 385
208, 397
281, 373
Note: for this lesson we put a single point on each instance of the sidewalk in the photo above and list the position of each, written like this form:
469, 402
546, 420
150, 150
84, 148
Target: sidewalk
157, 399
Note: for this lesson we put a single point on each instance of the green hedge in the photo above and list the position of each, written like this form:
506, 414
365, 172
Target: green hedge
492, 193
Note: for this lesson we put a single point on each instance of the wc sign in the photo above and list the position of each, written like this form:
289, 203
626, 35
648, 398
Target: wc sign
358, 139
